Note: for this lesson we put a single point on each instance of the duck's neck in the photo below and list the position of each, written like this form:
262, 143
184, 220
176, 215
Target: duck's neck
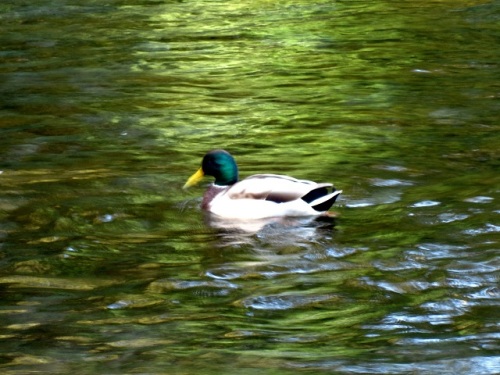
228, 175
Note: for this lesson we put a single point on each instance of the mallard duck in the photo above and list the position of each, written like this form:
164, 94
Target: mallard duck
261, 195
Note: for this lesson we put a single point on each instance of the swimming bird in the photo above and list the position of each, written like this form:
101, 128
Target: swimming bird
261, 195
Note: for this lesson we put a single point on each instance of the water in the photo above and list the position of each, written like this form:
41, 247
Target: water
108, 267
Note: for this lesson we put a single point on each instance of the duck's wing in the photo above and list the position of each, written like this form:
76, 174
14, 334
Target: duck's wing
277, 188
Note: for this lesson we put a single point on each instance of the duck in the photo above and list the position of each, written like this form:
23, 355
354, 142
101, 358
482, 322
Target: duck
259, 196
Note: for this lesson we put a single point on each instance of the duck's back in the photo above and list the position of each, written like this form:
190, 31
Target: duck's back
272, 187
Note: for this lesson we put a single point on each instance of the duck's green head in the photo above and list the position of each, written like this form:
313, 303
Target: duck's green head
219, 164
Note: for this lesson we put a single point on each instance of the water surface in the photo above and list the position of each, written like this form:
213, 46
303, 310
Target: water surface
108, 267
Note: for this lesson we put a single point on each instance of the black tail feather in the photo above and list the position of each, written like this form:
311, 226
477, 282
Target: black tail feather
315, 194
325, 206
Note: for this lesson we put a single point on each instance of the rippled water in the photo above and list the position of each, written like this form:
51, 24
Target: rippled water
108, 267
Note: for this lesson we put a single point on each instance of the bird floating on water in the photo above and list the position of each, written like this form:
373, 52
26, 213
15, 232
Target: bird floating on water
259, 196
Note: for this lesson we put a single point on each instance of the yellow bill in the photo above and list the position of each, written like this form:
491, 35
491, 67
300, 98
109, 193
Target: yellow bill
194, 179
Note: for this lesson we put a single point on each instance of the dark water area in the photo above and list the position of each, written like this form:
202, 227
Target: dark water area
107, 266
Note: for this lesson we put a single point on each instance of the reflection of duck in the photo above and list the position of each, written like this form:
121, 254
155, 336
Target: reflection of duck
259, 196
299, 226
